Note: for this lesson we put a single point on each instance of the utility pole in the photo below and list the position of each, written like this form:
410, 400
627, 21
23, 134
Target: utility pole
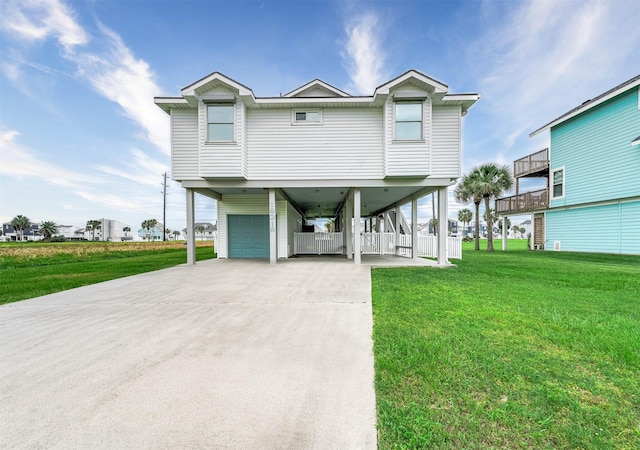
164, 206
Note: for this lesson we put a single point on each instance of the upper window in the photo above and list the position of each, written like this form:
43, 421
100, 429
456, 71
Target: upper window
558, 183
307, 117
408, 121
220, 122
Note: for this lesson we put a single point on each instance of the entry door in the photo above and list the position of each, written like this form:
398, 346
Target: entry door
248, 236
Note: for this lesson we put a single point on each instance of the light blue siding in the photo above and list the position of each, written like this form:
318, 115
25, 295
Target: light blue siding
613, 228
595, 150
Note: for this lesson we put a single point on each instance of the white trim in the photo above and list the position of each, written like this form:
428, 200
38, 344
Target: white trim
564, 183
217, 104
296, 122
395, 121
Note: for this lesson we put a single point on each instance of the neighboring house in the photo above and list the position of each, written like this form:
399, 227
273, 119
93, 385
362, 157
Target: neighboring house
67, 231
31, 233
429, 229
274, 163
209, 233
79, 234
592, 199
110, 230
155, 233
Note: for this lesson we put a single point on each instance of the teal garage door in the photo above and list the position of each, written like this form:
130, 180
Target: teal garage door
248, 236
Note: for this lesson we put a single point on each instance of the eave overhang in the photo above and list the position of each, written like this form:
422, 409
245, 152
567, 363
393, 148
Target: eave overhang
168, 103
192, 94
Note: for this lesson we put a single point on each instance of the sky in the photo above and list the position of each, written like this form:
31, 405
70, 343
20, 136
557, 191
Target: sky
81, 138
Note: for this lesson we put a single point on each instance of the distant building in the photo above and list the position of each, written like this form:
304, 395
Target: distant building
428, 228
110, 230
209, 233
154, 234
31, 233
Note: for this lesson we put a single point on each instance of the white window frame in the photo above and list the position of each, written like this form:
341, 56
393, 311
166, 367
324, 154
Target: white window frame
395, 120
233, 122
564, 183
295, 121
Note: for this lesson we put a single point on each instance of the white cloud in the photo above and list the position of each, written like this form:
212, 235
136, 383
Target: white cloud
363, 55
22, 162
111, 201
113, 71
35, 20
140, 168
122, 78
544, 57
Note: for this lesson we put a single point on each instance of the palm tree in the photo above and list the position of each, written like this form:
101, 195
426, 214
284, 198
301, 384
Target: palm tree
93, 226
200, 229
330, 225
126, 230
465, 192
176, 233
490, 181
434, 225
148, 225
48, 229
465, 216
167, 232
20, 223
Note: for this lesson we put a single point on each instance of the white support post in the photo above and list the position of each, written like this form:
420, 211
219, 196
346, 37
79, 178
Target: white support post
347, 226
504, 233
414, 228
443, 223
273, 255
397, 224
191, 232
356, 226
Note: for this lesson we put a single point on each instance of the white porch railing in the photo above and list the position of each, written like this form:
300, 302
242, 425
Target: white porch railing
374, 244
384, 244
318, 243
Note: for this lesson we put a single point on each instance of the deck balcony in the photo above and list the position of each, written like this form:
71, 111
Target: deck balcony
523, 203
533, 165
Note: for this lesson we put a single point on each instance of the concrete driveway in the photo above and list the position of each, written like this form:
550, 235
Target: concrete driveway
226, 354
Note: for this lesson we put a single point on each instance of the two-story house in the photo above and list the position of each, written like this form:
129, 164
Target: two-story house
272, 163
592, 199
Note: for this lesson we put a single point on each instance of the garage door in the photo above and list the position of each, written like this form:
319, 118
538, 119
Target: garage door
248, 236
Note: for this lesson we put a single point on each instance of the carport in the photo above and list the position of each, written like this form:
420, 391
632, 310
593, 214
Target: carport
371, 201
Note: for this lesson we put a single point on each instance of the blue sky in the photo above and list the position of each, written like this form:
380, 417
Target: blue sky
80, 136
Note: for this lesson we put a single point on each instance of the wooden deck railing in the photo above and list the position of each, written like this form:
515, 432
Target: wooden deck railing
530, 201
533, 163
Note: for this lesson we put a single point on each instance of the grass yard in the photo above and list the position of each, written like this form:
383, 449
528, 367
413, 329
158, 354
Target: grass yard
29, 270
513, 349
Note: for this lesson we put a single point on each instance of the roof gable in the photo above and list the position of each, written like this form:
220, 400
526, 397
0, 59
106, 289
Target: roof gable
316, 88
414, 78
215, 80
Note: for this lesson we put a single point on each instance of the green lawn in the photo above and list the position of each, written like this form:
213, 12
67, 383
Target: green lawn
29, 270
512, 349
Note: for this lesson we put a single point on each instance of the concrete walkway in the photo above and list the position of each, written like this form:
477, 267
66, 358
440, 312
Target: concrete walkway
226, 354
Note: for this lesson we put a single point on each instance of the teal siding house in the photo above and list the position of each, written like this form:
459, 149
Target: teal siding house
592, 199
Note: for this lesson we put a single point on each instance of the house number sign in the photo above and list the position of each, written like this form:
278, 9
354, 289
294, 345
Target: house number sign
272, 217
